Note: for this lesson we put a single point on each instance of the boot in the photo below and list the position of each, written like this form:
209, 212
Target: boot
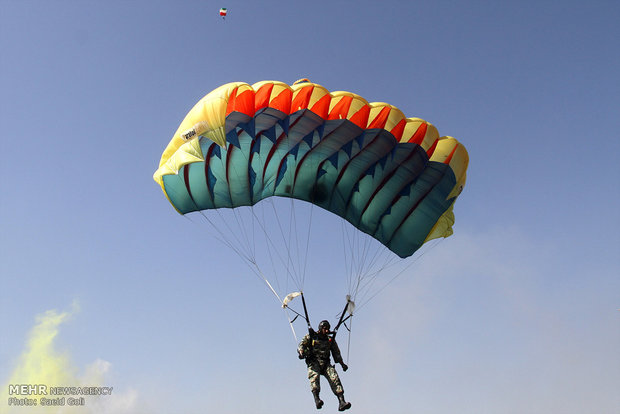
343, 404
317, 400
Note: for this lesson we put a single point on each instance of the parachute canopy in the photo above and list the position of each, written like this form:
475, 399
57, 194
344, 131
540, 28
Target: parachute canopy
390, 176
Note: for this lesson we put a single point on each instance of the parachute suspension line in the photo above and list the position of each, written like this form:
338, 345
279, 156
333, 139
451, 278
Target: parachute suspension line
307, 244
245, 239
359, 258
386, 285
286, 260
285, 263
370, 279
363, 263
268, 284
253, 228
357, 255
293, 226
378, 253
266, 234
351, 252
348, 255
411, 263
363, 248
349, 338
290, 272
224, 238
248, 260
374, 268
359, 262
345, 256
290, 322
268, 244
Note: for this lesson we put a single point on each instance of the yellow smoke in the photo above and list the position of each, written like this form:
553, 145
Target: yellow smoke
42, 364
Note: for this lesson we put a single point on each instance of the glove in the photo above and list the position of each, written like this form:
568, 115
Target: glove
344, 366
300, 355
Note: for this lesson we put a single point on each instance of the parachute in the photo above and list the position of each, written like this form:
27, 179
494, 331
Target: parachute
391, 177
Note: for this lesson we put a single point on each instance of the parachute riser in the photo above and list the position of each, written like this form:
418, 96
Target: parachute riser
342, 319
297, 314
303, 301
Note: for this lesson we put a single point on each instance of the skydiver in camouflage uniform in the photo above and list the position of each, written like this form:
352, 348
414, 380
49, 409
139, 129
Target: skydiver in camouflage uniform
316, 348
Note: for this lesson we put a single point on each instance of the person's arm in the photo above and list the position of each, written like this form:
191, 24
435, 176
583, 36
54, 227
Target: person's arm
337, 356
302, 349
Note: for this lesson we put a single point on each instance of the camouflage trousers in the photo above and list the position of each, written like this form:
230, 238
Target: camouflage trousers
315, 370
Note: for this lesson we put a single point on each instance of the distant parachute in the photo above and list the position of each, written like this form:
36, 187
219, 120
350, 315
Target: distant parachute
223, 12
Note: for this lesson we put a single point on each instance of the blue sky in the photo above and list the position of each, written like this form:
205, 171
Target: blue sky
516, 313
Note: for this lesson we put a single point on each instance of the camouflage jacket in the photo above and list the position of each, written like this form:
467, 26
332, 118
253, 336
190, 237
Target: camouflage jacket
317, 347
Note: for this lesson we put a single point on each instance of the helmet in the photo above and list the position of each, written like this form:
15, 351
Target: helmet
324, 324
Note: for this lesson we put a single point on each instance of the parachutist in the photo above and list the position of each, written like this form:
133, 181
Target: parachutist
393, 178
316, 348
